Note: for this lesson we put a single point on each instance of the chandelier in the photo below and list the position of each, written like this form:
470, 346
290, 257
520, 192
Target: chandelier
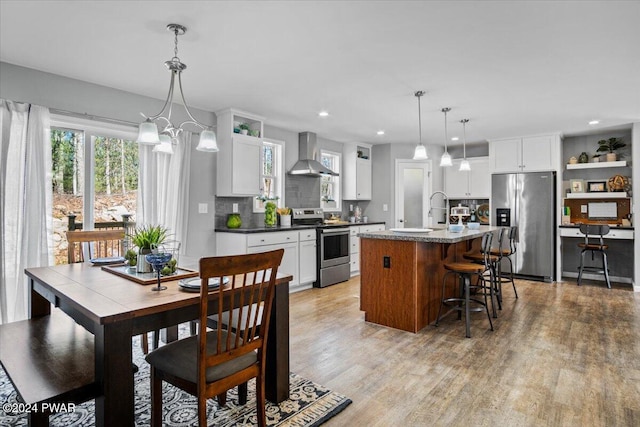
163, 141
421, 151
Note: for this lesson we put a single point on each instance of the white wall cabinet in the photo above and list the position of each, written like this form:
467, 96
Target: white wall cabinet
525, 154
354, 244
356, 172
238, 161
307, 255
475, 183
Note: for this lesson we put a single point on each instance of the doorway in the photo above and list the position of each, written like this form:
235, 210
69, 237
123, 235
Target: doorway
413, 186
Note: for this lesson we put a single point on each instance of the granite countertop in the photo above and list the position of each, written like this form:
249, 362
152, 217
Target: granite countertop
438, 235
617, 227
263, 229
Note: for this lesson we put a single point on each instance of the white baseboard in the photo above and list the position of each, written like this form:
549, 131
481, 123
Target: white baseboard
600, 277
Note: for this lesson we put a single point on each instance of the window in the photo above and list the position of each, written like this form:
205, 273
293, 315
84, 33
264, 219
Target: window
95, 175
271, 175
330, 185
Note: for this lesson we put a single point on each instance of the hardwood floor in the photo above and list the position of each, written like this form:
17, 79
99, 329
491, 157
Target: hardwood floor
560, 355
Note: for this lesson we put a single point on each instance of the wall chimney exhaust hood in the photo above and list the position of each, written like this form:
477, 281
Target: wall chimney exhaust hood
308, 153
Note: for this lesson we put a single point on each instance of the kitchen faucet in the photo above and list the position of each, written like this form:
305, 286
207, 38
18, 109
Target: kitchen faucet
446, 208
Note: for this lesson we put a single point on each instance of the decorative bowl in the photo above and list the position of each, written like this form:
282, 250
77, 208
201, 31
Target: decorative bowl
473, 225
456, 228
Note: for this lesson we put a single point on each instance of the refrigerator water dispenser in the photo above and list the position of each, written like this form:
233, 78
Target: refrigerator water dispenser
503, 217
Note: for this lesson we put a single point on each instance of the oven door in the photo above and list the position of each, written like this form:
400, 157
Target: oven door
334, 246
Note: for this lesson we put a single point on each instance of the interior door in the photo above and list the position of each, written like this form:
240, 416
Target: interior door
413, 186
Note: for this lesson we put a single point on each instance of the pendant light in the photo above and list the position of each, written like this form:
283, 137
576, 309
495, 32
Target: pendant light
148, 130
445, 160
421, 151
464, 164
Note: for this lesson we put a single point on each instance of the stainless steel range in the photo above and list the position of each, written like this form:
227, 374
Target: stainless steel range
332, 247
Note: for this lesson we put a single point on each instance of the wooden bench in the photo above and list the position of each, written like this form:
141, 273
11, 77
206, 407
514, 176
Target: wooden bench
50, 361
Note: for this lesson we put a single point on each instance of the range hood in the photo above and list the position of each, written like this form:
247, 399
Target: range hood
308, 154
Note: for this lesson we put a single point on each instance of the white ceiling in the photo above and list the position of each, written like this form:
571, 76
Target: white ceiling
512, 68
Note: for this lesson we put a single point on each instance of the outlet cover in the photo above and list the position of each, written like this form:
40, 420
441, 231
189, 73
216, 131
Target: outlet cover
235, 208
203, 208
385, 207
583, 209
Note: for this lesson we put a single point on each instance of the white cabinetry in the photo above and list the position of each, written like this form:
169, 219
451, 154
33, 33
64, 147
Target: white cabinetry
354, 243
356, 171
239, 243
475, 183
238, 162
525, 154
307, 264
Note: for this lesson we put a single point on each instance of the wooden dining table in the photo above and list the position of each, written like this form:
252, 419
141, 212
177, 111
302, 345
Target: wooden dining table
114, 309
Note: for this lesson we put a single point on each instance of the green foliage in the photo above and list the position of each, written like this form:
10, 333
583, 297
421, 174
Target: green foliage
148, 235
244, 126
610, 145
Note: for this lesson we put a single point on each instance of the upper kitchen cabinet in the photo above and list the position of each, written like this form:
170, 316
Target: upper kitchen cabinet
356, 171
525, 154
240, 141
473, 184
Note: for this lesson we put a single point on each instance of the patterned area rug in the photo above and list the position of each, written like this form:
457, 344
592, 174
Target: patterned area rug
309, 404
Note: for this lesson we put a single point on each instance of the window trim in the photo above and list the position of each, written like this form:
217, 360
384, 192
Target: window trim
337, 185
279, 167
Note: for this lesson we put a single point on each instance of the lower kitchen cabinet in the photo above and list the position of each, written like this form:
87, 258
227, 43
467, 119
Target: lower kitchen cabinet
289, 264
354, 244
307, 256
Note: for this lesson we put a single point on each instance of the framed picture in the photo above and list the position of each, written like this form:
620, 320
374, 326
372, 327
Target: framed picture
597, 186
577, 186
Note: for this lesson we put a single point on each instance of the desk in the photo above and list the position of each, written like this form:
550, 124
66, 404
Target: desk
114, 309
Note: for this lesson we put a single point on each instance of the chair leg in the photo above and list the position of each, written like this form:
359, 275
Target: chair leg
222, 399
193, 327
486, 307
581, 266
513, 282
242, 393
145, 343
156, 339
202, 411
467, 298
444, 280
260, 400
605, 265
156, 399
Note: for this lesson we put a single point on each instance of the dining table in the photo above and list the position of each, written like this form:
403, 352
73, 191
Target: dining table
114, 309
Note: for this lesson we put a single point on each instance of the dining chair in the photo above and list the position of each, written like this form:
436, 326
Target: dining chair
85, 245
208, 364
594, 243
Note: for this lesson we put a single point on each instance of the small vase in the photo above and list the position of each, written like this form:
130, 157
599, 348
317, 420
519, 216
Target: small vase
270, 217
595, 159
285, 220
143, 266
612, 157
244, 131
234, 220
584, 158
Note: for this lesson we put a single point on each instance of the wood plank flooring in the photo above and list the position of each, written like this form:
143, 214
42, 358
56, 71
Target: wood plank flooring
560, 355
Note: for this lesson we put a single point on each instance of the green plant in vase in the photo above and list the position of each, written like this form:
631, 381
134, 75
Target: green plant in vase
244, 128
146, 238
610, 146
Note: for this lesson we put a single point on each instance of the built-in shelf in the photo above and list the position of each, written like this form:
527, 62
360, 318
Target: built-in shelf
598, 165
603, 195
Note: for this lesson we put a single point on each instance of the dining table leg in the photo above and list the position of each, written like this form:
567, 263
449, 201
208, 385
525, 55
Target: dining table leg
277, 374
113, 370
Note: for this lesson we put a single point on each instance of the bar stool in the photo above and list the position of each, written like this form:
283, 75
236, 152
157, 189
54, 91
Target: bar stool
465, 270
489, 280
592, 232
507, 253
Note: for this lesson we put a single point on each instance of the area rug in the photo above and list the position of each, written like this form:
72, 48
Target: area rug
309, 404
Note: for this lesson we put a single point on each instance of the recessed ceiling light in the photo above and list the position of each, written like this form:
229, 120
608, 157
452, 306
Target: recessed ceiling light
380, 132
455, 138
323, 113
594, 122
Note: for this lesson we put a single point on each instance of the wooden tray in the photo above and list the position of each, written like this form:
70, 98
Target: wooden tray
130, 273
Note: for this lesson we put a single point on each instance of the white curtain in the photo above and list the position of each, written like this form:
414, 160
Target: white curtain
26, 238
163, 189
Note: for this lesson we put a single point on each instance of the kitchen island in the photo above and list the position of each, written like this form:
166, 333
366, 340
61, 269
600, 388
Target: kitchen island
401, 273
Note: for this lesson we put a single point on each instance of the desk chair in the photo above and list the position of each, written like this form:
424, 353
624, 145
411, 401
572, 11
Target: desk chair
212, 362
594, 242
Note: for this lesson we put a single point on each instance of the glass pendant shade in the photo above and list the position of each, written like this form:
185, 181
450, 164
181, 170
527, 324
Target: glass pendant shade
208, 141
165, 146
445, 160
465, 166
148, 133
420, 153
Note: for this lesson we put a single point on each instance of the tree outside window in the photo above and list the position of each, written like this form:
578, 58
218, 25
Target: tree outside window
271, 174
330, 185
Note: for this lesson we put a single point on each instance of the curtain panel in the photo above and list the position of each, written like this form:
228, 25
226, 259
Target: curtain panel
26, 238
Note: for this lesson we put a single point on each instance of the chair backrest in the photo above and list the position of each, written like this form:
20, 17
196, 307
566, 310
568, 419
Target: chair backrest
513, 239
503, 236
250, 289
485, 248
95, 244
594, 231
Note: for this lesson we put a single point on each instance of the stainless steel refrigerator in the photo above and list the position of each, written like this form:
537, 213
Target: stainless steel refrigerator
528, 200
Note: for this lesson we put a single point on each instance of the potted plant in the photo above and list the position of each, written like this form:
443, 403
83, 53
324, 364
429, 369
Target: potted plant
244, 128
609, 146
146, 238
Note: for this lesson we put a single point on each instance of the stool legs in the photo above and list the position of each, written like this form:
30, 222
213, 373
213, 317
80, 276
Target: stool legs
605, 266
606, 269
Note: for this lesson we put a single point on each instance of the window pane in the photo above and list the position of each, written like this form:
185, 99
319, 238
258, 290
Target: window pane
267, 165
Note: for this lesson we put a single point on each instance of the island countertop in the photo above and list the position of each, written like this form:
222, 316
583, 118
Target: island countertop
438, 235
